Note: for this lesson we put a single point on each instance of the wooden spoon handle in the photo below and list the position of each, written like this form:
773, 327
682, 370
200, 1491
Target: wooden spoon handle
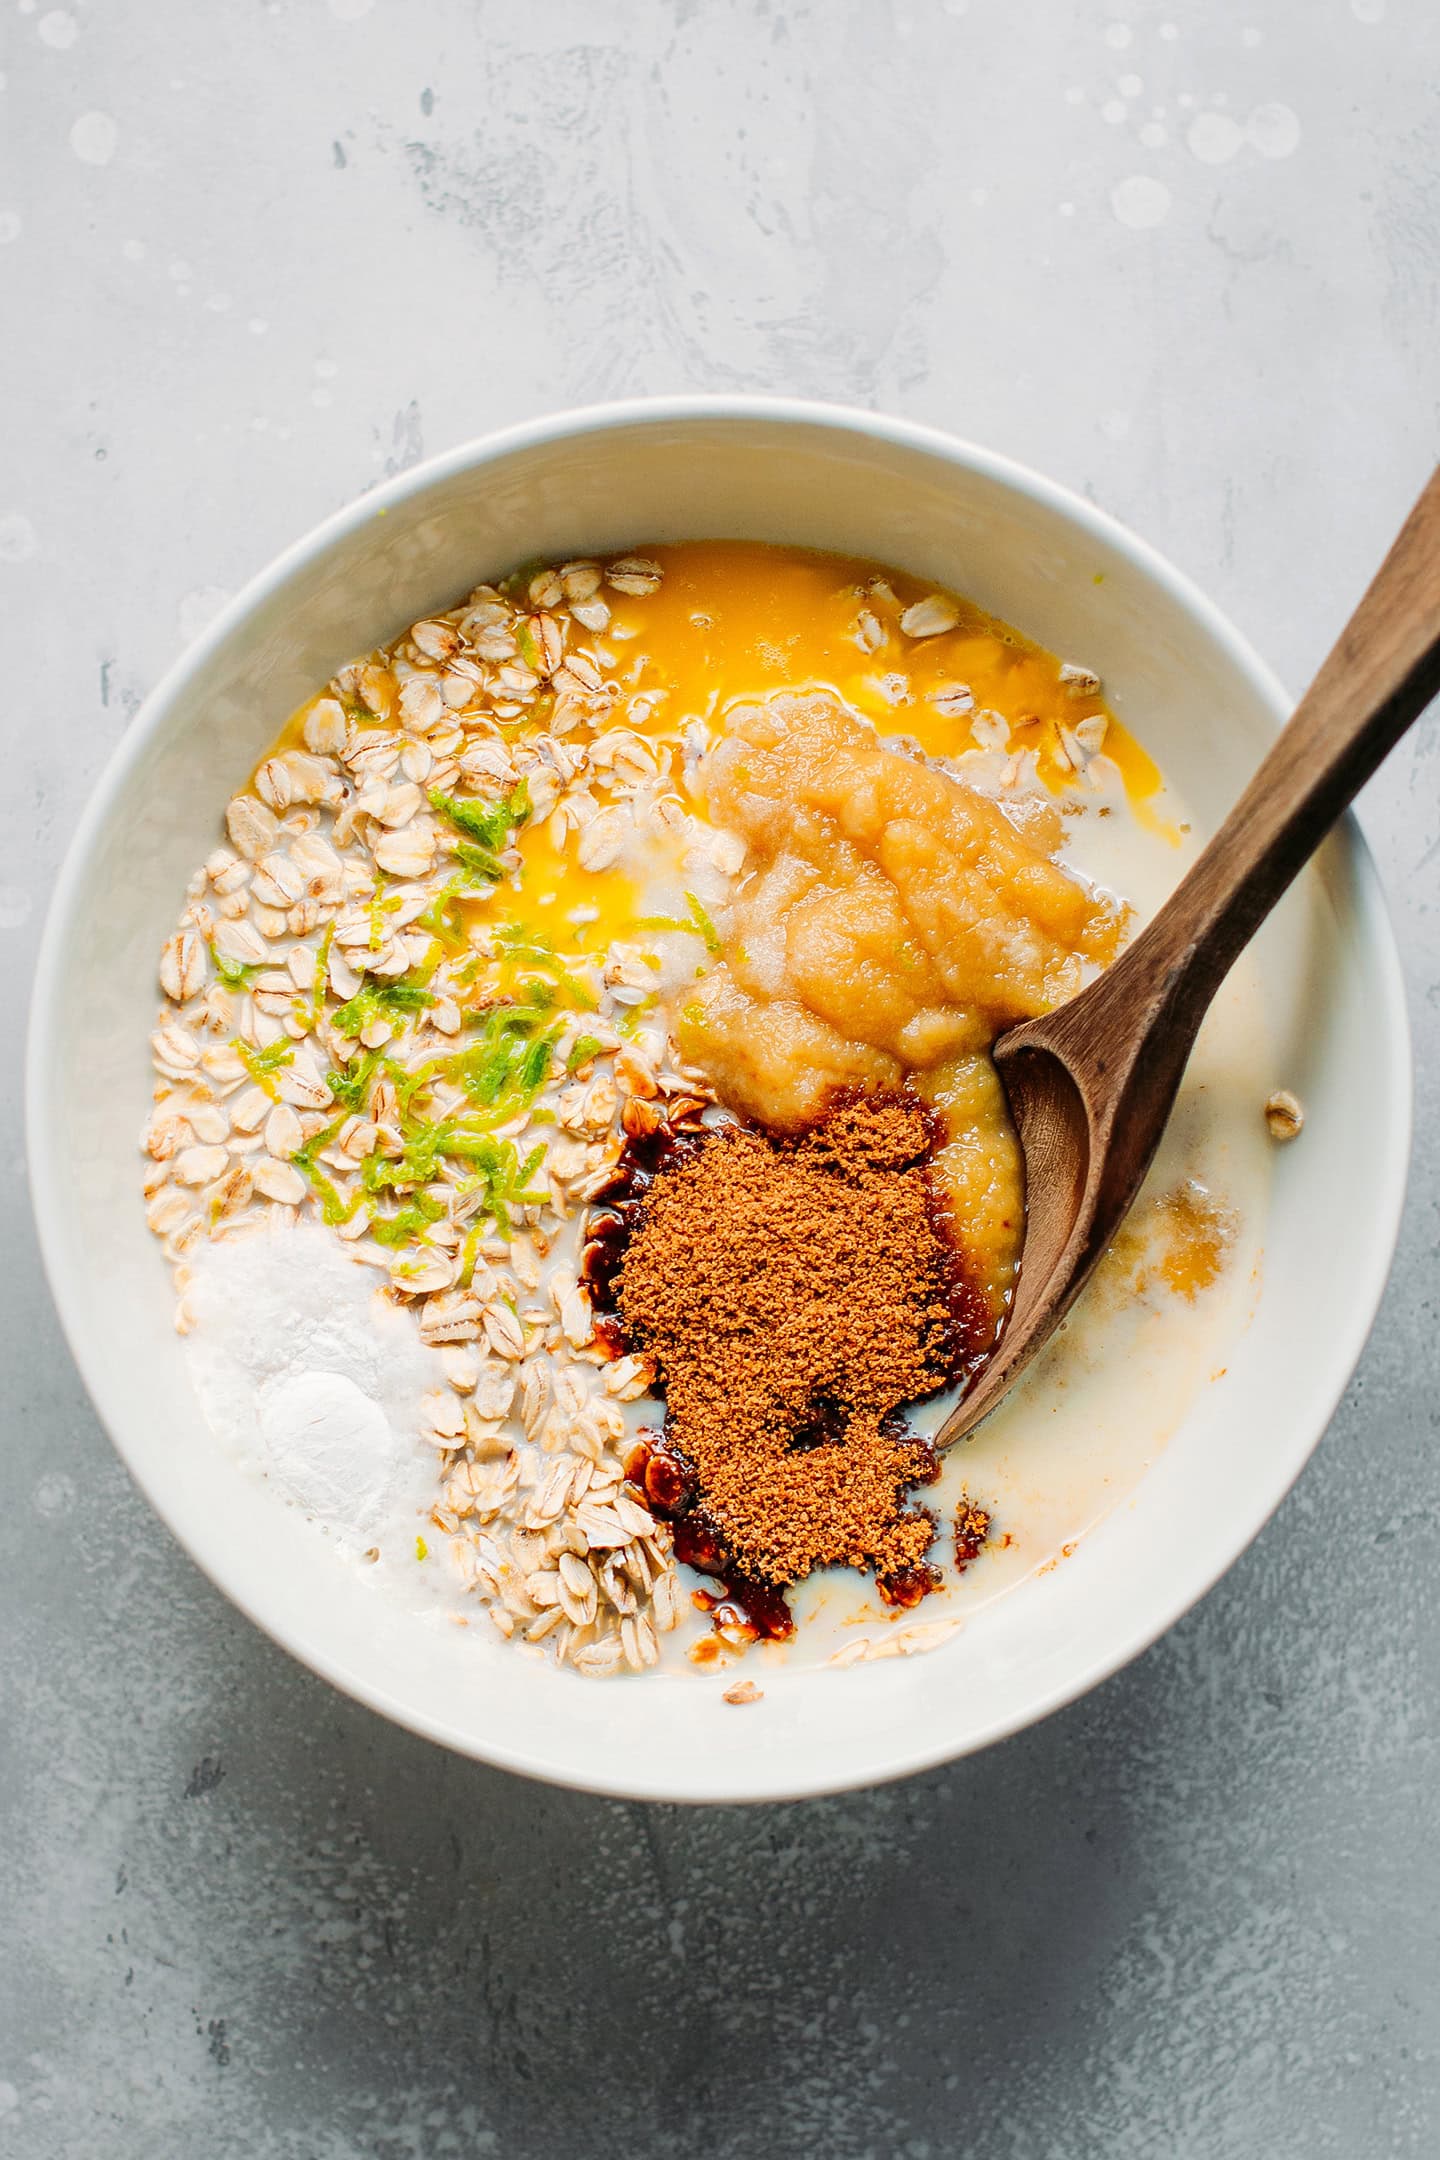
1382, 673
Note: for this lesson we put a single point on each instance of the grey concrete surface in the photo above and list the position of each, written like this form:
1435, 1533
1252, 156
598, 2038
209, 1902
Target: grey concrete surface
254, 256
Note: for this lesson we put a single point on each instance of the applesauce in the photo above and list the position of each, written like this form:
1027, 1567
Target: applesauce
888, 918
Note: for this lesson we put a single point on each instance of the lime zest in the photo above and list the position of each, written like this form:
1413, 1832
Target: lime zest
439, 918
322, 974
704, 927
235, 974
262, 1065
411, 1221
500, 1073
628, 1023
381, 905
469, 1254
536, 949
352, 1085
400, 999
694, 923
480, 862
489, 823
333, 1209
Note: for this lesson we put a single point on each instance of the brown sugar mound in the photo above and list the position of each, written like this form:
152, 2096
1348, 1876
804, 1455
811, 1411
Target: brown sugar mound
794, 1295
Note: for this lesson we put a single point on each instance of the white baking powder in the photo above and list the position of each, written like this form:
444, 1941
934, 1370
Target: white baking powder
307, 1371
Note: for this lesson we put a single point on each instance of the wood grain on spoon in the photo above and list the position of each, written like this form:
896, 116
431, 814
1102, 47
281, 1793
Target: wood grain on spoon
1091, 1086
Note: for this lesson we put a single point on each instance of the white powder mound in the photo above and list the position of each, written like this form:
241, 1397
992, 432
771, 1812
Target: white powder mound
312, 1377
329, 1445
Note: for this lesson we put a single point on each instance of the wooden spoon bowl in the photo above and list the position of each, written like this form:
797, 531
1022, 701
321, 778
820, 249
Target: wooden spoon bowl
1091, 1085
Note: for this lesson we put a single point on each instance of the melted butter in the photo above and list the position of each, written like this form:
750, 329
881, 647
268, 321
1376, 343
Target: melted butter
1177, 1241
734, 619
292, 735
1200, 1235
553, 887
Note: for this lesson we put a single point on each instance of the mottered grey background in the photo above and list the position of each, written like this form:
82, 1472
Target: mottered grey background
253, 257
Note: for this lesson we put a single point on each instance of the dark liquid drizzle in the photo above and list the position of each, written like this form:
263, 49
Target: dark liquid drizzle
658, 1468
616, 1209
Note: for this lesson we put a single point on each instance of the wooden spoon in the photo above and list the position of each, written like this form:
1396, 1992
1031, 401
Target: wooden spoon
1092, 1085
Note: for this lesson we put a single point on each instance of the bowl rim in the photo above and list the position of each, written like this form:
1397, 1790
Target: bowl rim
1364, 905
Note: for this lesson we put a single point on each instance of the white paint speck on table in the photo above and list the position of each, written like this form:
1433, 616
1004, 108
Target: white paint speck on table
253, 260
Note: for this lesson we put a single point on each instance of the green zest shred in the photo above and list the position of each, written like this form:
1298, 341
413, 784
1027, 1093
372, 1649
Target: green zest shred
410, 1222
582, 1050
322, 975
235, 974
507, 1066
507, 1056
502, 1179
333, 1209
489, 824
380, 907
351, 1086
492, 1168
695, 922
382, 1001
262, 1065
700, 919
441, 918
534, 948
500, 1073
629, 1021
479, 863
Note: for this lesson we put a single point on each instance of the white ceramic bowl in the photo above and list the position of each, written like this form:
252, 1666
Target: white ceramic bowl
604, 480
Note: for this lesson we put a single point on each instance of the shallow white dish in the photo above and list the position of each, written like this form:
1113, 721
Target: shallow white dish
608, 479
